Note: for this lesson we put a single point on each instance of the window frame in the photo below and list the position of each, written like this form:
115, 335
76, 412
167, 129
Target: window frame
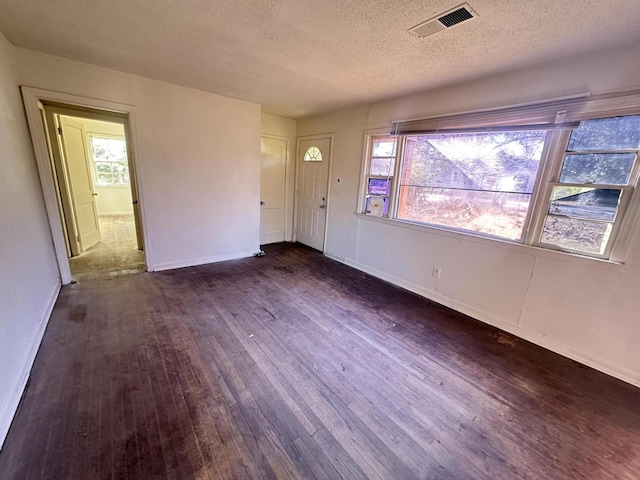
107, 136
611, 251
368, 158
547, 177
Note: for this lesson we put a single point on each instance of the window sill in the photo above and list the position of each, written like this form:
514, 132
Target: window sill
497, 243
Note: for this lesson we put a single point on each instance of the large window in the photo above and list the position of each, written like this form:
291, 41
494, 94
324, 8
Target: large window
110, 157
593, 184
481, 182
562, 188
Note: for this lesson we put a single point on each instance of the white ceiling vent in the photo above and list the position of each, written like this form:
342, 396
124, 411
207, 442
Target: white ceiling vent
445, 20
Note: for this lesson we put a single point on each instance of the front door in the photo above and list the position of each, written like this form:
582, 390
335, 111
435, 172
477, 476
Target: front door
313, 175
81, 185
273, 154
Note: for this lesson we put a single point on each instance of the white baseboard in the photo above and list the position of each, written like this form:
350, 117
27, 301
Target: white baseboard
202, 261
6, 417
556, 346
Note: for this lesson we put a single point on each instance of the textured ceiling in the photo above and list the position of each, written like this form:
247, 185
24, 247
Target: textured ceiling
297, 57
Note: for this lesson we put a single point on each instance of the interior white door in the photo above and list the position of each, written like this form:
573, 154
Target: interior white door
74, 150
313, 175
273, 154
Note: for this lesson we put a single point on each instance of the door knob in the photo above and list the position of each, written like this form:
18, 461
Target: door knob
94, 194
261, 202
322, 207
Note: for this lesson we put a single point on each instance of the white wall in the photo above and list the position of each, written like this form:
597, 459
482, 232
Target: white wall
197, 154
285, 128
111, 199
582, 308
29, 280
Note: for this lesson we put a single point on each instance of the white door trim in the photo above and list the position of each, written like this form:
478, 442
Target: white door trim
327, 196
31, 96
287, 181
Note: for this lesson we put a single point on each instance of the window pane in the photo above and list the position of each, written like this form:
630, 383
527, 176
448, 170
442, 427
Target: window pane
586, 203
100, 148
474, 181
574, 234
313, 154
493, 213
501, 161
378, 206
120, 174
104, 172
384, 147
609, 168
612, 133
379, 186
109, 149
382, 166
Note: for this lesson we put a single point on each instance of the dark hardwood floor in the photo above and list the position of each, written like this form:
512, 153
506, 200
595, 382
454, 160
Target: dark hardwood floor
295, 366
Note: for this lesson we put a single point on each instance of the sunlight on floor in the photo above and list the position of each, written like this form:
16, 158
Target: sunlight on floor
116, 254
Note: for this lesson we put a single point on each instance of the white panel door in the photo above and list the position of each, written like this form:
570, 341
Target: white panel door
273, 154
313, 175
80, 182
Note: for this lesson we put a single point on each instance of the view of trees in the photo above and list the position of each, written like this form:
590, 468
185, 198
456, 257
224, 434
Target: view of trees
473, 181
110, 157
483, 182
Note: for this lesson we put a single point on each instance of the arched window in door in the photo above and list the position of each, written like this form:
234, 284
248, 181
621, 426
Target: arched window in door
313, 154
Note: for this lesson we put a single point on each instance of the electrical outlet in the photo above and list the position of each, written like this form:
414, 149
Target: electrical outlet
436, 272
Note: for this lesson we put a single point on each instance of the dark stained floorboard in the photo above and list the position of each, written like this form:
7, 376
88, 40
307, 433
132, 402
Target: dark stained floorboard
295, 366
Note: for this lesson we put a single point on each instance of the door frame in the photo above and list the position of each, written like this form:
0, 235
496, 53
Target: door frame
319, 136
287, 181
32, 98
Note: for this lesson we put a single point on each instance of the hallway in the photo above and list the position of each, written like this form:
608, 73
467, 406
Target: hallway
115, 254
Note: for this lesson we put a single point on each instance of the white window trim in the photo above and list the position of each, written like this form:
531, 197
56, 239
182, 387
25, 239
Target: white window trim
607, 105
108, 136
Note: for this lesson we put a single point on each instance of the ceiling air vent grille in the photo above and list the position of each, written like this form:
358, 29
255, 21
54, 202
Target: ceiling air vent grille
456, 17
443, 21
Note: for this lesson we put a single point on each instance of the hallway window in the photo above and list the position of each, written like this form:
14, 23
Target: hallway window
110, 157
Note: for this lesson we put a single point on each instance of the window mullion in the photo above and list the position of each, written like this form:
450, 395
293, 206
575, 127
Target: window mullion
541, 200
362, 201
395, 184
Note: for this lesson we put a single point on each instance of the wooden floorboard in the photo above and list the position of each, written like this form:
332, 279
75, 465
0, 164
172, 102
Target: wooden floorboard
115, 254
294, 366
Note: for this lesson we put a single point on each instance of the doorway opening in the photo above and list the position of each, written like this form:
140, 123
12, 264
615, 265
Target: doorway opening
91, 162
